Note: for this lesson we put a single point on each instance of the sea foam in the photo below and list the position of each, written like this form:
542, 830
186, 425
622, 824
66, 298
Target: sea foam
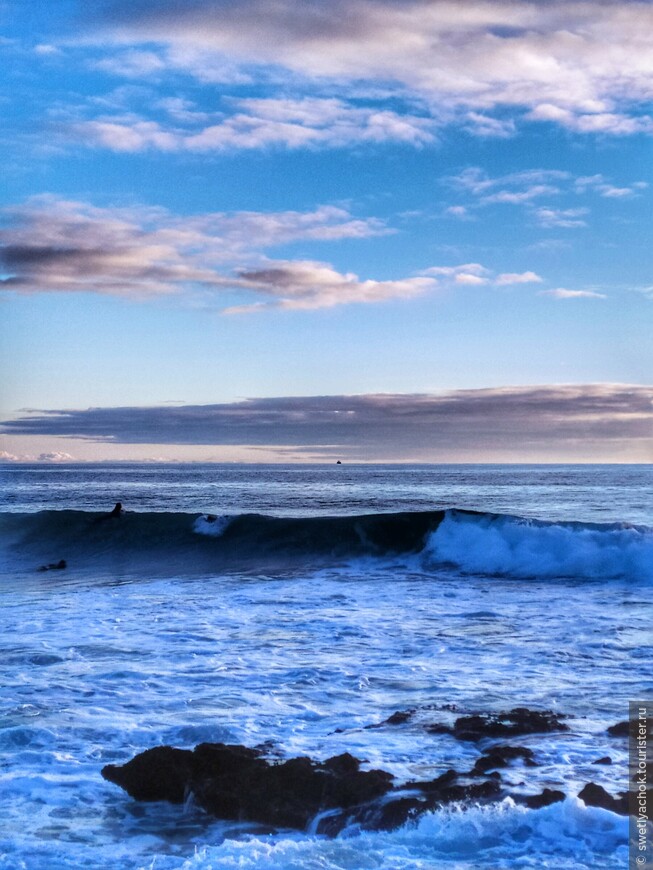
503, 545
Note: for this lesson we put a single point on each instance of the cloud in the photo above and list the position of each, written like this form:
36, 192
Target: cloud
256, 124
518, 278
57, 245
476, 274
508, 421
131, 64
458, 211
586, 66
309, 285
605, 188
527, 187
569, 218
488, 127
609, 123
563, 293
54, 245
55, 457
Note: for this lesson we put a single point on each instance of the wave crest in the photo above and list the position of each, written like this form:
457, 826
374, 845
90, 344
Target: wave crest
515, 546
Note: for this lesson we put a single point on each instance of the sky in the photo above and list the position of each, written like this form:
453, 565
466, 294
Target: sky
309, 230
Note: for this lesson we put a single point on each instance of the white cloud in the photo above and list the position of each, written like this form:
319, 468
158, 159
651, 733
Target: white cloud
259, 123
518, 278
474, 269
55, 457
458, 211
605, 188
476, 274
584, 65
563, 293
131, 64
568, 218
310, 285
46, 50
610, 123
488, 127
54, 245
525, 188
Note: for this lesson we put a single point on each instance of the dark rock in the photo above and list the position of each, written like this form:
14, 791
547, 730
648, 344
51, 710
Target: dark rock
518, 721
605, 760
234, 782
394, 814
501, 756
159, 774
596, 796
438, 728
445, 778
398, 718
537, 801
621, 729
240, 784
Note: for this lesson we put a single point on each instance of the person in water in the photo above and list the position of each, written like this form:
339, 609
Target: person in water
116, 512
54, 566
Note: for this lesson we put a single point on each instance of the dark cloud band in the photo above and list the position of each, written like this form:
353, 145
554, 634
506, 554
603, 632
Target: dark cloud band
520, 418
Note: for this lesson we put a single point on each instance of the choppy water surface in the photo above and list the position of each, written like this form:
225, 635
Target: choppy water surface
104, 660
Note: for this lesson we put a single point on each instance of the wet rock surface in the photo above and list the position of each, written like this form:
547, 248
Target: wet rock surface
516, 722
238, 783
594, 795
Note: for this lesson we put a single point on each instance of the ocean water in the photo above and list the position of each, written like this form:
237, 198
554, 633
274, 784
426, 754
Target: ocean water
295, 606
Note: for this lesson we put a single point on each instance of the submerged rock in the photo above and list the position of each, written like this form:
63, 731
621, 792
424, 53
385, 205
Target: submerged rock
620, 729
515, 722
537, 801
238, 783
501, 756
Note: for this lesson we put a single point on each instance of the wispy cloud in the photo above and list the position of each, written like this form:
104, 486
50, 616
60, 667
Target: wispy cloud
307, 285
568, 218
54, 245
563, 293
585, 66
57, 245
256, 124
528, 188
476, 274
523, 419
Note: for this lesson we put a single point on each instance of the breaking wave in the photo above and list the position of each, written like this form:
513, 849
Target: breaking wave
514, 546
469, 542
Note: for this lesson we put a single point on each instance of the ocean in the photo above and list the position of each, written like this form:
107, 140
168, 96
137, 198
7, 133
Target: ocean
315, 610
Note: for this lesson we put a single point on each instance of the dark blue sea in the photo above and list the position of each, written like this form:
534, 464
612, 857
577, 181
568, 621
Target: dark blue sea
295, 606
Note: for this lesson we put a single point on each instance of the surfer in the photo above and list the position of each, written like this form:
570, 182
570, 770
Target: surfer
54, 566
115, 513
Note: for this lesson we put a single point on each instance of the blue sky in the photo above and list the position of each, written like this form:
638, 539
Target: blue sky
427, 221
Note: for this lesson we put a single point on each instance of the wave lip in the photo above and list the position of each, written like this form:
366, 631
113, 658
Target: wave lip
496, 544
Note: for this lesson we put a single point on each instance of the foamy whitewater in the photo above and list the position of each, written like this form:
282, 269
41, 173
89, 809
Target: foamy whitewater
295, 606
